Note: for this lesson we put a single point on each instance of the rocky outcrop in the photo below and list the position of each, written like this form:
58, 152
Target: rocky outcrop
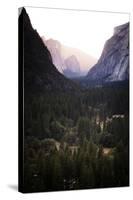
72, 67
55, 49
84, 59
113, 64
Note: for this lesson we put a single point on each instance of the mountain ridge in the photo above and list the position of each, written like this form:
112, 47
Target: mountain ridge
40, 74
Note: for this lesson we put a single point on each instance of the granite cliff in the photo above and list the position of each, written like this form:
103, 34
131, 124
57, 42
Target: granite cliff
113, 64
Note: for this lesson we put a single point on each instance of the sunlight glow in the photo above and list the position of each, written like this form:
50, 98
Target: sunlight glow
84, 30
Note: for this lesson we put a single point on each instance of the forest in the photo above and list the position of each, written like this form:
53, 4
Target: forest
76, 140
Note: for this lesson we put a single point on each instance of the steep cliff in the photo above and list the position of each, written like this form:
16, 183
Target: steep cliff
40, 74
113, 64
55, 49
72, 67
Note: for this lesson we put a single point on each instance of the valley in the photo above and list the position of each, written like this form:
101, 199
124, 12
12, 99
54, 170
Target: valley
76, 131
78, 138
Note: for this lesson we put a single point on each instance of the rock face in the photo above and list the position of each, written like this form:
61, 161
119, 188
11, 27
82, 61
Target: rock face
40, 74
113, 64
72, 67
55, 49
64, 58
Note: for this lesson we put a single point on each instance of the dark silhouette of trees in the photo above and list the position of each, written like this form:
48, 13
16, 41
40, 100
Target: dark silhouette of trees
67, 136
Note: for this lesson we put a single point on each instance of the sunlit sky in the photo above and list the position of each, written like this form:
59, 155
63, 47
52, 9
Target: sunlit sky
84, 30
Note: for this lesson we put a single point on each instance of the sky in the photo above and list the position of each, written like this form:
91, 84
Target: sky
85, 30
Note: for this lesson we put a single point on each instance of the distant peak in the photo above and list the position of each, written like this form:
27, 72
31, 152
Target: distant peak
53, 41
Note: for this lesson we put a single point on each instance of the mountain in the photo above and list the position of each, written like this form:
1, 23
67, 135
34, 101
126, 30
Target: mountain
55, 49
40, 74
72, 67
113, 64
61, 53
85, 60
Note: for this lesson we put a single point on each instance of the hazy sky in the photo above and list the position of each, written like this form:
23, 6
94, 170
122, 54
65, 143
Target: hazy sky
84, 30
